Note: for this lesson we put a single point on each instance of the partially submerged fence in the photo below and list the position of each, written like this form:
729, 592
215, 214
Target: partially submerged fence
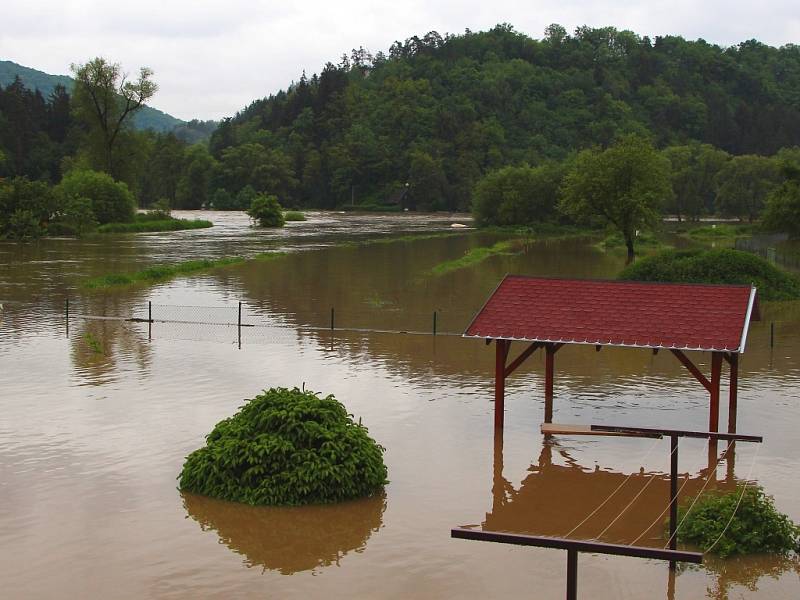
769, 248
240, 321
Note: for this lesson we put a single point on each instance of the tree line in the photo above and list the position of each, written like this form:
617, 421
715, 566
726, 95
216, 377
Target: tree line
440, 117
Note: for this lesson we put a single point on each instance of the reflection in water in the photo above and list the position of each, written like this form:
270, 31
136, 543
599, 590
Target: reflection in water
745, 571
562, 500
290, 539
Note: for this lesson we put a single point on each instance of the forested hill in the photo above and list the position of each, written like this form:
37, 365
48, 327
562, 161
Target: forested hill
438, 112
147, 118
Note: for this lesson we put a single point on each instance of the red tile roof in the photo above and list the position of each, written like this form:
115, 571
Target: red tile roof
619, 313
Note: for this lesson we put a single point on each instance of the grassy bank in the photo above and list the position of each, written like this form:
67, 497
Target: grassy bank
476, 255
720, 231
160, 273
144, 225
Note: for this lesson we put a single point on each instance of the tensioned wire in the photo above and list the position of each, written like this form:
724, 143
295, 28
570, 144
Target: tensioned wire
635, 498
604, 502
738, 503
700, 493
663, 512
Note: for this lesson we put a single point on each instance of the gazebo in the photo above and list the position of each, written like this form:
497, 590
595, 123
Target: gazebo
547, 313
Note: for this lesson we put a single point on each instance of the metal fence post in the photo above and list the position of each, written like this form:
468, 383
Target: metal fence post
149, 320
66, 313
239, 325
332, 318
434, 322
772, 334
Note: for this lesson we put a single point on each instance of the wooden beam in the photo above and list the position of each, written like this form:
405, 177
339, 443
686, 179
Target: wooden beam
522, 357
692, 369
579, 545
733, 359
716, 376
501, 352
550, 352
573, 429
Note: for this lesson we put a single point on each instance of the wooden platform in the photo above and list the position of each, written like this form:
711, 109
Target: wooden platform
574, 429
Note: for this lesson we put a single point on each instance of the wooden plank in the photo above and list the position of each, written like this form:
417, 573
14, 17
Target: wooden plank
574, 429
732, 437
577, 545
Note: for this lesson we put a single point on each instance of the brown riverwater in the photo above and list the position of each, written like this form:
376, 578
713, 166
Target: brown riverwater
91, 441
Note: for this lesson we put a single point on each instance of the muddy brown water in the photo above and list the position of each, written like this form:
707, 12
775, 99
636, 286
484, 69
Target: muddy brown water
94, 425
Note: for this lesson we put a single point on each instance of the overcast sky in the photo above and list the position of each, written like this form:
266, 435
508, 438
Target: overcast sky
213, 58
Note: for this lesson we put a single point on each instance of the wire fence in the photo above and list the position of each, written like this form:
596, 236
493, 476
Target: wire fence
769, 248
240, 321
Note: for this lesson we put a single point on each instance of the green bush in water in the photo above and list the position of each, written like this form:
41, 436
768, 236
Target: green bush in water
287, 447
756, 528
716, 266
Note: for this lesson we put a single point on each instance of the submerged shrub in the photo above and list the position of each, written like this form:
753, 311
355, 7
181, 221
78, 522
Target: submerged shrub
286, 447
716, 266
266, 211
756, 527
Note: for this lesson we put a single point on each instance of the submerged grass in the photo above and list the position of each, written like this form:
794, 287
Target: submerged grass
293, 215
412, 237
158, 273
142, 225
476, 255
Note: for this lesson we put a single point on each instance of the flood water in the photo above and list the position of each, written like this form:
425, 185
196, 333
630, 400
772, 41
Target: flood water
95, 423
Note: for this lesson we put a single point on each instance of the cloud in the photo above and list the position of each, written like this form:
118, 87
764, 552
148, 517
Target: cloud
213, 58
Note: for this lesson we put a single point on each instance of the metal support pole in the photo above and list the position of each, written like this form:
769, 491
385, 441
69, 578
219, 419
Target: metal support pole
149, 320
772, 334
240, 325
66, 314
332, 316
434, 322
673, 496
572, 574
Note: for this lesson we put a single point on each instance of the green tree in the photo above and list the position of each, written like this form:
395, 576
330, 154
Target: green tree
427, 181
266, 211
76, 216
782, 211
624, 185
112, 201
694, 167
106, 101
26, 208
194, 185
518, 195
743, 185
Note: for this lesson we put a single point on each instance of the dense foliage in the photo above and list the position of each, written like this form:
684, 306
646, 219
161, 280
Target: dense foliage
266, 211
716, 266
624, 185
724, 525
783, 205
440, 112
111, 201
287, 447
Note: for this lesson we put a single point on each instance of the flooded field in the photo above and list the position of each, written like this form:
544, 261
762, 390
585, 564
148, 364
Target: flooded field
95, 423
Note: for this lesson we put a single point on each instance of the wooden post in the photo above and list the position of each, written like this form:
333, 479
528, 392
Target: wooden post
572, 574
239, 325
716, 375
332, 315
548, 383
501, 351
733, 392
434, 322
673, 498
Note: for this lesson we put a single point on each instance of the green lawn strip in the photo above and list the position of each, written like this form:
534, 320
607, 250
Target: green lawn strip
159, 273
293, 215
141, 226
476, 255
